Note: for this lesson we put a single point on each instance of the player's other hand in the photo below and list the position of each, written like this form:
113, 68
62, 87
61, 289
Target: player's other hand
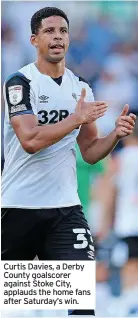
89, 111
125, 123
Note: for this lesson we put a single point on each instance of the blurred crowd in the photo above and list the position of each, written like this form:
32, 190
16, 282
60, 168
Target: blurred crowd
103, 50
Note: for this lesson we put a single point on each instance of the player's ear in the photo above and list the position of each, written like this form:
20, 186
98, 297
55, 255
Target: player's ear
33, 40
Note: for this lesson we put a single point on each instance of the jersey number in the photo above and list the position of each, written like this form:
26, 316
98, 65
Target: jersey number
56, 116
84, 239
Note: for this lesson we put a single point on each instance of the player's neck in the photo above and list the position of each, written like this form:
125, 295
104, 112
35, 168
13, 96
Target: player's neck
54, 70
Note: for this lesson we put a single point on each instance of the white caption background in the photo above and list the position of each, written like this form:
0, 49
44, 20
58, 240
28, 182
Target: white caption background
48, 285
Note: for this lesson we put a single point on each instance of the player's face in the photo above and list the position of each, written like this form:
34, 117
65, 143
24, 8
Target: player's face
52, 40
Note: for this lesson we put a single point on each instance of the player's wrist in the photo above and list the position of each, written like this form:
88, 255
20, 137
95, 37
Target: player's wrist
117, 136
77, 119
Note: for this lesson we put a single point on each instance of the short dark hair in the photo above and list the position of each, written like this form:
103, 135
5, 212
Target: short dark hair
45, 13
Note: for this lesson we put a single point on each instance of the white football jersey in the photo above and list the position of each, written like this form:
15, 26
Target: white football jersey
46, 179
126, 217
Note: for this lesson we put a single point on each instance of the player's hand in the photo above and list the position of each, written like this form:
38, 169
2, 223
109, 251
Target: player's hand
89, 111
125, 123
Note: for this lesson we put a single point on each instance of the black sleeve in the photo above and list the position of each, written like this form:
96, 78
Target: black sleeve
81, 79
17, 95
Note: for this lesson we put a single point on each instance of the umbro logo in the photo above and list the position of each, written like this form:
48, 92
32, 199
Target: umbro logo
43, 99
76, 96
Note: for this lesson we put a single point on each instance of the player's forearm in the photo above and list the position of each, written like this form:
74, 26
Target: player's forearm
44, 136
100, 148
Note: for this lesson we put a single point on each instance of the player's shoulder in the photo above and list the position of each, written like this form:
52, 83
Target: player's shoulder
22, 75
80, 80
